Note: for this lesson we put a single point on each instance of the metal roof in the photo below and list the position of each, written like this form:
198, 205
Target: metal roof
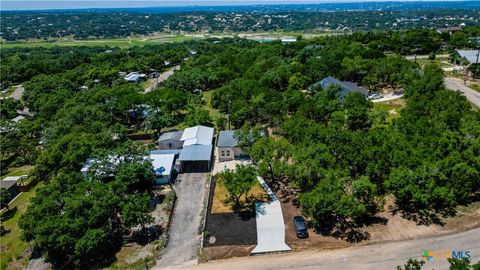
347, 87
172, 135
470, 55
162, 163
226, 138
196, 152
166, 151
9, 181
197, 135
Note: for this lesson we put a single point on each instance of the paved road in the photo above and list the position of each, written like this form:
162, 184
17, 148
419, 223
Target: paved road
456, 84
375, 256
412, 57
162, 77
184, 242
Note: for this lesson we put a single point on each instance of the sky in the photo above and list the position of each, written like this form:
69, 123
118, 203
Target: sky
71, 4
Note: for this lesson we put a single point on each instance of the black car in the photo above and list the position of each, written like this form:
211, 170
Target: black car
300, 227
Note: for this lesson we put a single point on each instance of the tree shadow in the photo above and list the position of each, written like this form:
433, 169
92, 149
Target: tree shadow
350, 231
147, 235
8, 214
424, 217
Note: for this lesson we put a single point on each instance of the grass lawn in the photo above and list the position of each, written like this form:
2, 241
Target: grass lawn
221, 201
121, 42
128, 257
17, 171
392, 108
214, 113
12, 247
475, 87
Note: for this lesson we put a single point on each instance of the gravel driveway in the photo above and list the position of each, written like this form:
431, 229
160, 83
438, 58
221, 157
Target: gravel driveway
184, 240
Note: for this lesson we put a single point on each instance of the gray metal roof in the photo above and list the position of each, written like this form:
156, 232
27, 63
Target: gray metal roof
470, 55
7, 183
226, 138
172, 135
347, 87
166, 151
196, 152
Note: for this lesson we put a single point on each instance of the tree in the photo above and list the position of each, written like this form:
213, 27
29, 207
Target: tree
238, 183
4, 198
462, 264
412, 265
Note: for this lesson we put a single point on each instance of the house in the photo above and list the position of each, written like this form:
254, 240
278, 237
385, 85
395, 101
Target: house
135, 77
346, 87
10, 184
18, 118
170, 140
196, 154
163, 165
227, 146
467, 56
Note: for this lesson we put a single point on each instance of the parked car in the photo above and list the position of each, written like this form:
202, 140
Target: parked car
300, 227
375, 96
398, 92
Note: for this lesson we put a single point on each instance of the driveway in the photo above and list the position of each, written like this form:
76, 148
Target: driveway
184, 238
387, 97
457, 85
270, 226
377, 256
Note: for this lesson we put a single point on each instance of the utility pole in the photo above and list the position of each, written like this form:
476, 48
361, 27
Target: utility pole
476, 66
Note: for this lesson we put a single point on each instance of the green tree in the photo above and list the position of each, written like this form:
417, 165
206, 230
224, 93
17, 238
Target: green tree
412, 265
4, 198
238, 183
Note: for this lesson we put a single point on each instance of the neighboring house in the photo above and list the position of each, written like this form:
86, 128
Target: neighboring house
467, 57
135, 77
170, 140
163, 165
10, 184
18, 118
227, 146
163, 162
346, 87
196, 154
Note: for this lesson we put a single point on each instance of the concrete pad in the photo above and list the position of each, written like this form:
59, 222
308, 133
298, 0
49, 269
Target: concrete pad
270, 225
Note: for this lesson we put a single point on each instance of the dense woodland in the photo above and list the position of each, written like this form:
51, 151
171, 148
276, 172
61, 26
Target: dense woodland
340, 158
123, 23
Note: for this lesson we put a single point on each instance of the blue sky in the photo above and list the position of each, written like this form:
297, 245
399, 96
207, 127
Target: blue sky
66, 4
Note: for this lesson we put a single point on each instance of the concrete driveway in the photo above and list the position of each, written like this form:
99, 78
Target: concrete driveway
457, 85
184, 238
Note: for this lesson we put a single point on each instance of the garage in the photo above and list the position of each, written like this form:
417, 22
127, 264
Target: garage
196, 158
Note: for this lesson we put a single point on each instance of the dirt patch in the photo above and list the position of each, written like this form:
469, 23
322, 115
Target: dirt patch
225, 252
395, 226
315, 241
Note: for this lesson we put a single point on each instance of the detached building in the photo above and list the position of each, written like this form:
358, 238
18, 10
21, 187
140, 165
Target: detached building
10, 184
227, 146
196, 155
170, 140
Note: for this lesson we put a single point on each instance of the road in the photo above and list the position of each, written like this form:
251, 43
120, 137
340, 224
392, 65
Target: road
162, 77
184, 238
375, 256
412, 57
456, 84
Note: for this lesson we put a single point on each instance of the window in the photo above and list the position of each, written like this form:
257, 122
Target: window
228, 153
170, 145
223, 153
